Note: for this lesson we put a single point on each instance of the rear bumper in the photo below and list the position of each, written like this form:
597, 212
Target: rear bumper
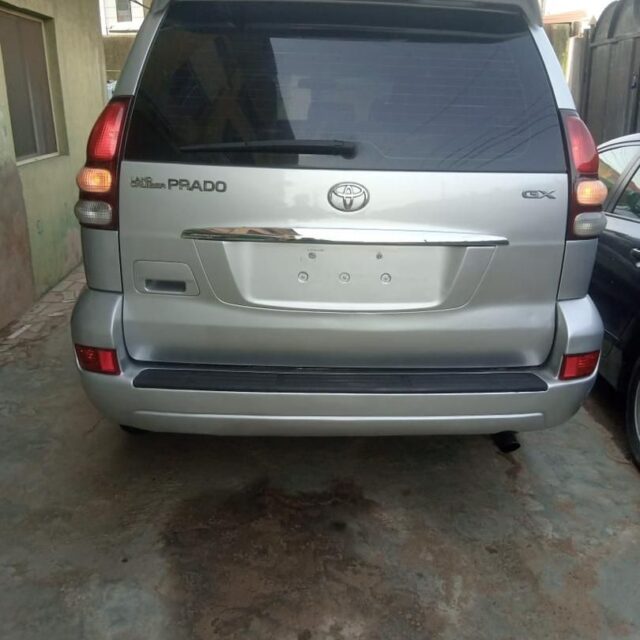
97, 322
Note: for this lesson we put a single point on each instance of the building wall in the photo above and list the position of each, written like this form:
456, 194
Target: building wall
16, 277
109, 16
75, 61
118, 36
116, 50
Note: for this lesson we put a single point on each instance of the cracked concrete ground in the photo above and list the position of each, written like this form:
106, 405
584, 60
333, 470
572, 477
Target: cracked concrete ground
108, 536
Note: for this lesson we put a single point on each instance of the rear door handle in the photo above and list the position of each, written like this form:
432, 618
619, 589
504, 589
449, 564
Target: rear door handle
635, 255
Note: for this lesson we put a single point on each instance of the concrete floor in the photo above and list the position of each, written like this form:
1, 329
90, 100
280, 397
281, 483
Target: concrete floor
108, 536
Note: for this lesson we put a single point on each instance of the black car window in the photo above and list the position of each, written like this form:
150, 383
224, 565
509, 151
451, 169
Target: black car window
408, 88
614, 162
629, 203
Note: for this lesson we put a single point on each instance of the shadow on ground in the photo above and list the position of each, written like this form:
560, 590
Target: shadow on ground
607, 408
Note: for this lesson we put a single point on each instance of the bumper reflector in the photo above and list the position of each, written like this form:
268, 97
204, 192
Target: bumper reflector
580, 365
98, 360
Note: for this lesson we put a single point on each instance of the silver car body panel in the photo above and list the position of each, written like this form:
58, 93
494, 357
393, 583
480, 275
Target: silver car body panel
485, 284
101, 251
561, 90
134, 64
97, 320
579, 259
632, 138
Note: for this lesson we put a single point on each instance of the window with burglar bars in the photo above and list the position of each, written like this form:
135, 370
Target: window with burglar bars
123, 10
28, 90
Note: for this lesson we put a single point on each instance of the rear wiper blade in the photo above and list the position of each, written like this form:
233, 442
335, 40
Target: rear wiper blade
312, 147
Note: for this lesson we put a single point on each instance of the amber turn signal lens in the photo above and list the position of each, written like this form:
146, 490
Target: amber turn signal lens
591, 192
92, 180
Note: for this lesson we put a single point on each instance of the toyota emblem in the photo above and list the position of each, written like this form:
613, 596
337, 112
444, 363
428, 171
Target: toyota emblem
348, 197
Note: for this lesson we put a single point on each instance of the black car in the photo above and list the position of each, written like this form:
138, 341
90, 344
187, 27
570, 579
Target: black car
615, 287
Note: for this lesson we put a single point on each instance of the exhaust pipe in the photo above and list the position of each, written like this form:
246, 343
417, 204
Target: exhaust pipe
506, 441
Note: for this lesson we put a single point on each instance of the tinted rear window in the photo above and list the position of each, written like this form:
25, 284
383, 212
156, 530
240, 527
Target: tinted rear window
415, 89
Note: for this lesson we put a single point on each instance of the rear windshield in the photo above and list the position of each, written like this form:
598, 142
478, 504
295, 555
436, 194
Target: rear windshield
407, 88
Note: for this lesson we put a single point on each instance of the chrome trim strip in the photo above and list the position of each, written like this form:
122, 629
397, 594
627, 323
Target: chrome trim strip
344, 236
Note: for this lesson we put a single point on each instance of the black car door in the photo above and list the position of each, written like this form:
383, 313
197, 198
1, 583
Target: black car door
615, 286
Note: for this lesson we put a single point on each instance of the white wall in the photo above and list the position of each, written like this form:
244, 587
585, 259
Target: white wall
592, 7
109, 17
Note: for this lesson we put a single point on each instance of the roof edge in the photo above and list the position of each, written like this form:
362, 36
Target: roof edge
530, 8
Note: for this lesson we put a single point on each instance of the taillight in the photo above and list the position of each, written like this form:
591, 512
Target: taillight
92, 180
591, 193
580, 365
584, 153
98, 360
105, 135
586, 219
98, 179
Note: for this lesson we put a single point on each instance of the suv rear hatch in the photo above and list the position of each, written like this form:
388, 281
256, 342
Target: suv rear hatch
322, 185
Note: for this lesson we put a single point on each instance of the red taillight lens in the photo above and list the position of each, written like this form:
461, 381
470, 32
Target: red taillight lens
98, 180
587, 193
105, 135
580, 365
584, 152
98, 360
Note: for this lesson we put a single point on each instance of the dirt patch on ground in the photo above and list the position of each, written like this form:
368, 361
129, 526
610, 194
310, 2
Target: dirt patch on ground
264, 563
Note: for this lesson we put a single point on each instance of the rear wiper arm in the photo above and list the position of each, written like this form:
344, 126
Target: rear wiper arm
312, 147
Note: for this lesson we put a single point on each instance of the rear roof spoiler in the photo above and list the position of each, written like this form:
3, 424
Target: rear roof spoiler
530, 8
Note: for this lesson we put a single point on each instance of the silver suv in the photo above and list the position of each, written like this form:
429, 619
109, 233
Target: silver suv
346, 217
